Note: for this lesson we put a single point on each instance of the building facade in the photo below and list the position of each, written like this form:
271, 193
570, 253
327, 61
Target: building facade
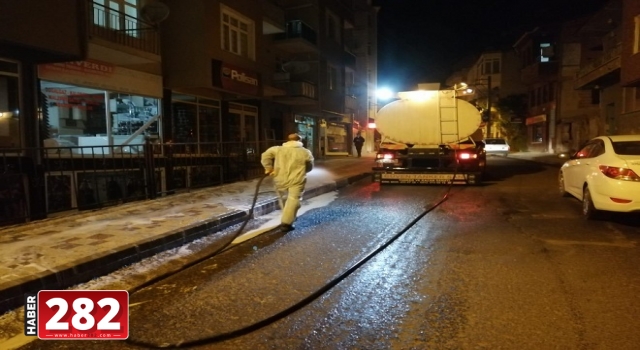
108, 101
493, 75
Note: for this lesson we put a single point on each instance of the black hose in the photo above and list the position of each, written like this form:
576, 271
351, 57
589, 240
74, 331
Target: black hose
210, 255
297, 306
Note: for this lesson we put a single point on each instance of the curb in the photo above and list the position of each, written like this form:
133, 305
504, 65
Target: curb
12, 296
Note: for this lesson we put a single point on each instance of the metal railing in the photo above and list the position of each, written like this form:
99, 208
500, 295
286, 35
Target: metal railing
123, 29
35, 183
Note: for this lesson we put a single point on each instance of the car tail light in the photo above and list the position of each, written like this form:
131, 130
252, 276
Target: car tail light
620, 200
619, 173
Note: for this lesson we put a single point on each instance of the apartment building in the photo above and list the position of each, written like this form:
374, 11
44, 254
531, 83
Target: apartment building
120, 100
597, 79
267, 68
628, 122
493, 75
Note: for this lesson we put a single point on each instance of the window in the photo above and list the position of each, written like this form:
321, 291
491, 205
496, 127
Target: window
237, 33
117, 15
546, 52
491, 66
9, 105
196, 119
631, 99
81, 116
332, 77
333, 27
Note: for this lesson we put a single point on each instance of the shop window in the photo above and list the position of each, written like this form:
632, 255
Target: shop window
537, 133
80, 116
197, 121
9, 105
133, 117
237, 33
337, 140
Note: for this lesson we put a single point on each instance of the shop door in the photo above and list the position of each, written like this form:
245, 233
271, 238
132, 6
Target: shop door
243, 127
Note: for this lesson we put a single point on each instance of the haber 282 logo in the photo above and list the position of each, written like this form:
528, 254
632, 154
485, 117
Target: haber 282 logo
77, 314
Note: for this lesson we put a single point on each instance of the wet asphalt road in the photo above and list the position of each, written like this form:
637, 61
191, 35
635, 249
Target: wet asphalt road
507, 265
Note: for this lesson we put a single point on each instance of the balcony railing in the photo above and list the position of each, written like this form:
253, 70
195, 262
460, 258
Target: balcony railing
123, 29
298, 37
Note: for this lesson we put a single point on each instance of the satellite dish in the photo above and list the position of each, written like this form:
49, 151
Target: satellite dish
296, 67
155, 12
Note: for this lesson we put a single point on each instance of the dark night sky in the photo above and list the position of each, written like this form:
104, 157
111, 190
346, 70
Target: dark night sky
421, 40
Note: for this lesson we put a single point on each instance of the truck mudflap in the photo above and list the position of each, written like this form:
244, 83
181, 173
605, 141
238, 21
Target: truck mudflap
396, 177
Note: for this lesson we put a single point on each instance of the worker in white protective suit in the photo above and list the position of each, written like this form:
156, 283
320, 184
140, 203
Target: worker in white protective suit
289, 165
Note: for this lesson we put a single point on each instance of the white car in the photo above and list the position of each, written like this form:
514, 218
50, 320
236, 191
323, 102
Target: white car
604, 175
496, 146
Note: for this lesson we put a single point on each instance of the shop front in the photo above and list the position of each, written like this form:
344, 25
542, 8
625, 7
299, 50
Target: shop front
95, 119
537, 133
90, 103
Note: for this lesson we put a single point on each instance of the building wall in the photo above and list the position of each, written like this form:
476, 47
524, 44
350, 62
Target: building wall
630, 61
34, 29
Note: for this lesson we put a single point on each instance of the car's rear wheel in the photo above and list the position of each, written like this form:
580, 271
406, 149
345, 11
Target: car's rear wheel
589, 211
561, 189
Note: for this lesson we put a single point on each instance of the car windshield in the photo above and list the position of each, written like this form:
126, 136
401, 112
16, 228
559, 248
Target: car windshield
495, 141
628, 148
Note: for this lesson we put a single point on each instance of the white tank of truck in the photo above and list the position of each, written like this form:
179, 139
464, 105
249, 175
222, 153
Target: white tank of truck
429, 137
428, 118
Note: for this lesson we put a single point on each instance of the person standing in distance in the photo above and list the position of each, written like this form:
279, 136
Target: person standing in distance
358, 141
289, 165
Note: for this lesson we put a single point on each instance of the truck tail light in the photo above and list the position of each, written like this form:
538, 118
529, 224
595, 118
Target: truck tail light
385, 156
619, 173
467, 155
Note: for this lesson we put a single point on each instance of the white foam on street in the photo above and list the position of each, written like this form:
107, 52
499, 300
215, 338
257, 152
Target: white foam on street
274, 217
126, 277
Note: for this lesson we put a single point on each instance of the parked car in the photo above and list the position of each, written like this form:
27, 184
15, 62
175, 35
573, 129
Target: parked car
603, 174
498, 146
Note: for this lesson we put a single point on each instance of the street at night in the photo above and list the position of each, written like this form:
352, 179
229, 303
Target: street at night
509, 264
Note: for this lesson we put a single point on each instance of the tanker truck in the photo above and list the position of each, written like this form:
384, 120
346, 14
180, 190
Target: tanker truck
429, 137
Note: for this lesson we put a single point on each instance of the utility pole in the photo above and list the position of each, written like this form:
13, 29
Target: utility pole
489, 106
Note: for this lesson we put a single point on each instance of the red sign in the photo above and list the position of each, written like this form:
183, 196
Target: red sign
234, 78
78, 314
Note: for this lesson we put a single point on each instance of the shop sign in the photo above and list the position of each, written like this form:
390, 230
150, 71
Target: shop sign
102, 75
236, 79
537, 119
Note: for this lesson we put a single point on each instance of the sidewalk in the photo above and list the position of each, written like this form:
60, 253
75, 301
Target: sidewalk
540, 157
60, 252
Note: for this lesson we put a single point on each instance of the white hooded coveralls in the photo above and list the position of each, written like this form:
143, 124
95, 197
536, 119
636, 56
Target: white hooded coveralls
290, 164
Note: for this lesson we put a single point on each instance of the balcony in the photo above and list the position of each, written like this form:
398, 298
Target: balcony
350, 102
297, 38
604, 70
301, 93
349, 60
122, 29
272, 18
538, 71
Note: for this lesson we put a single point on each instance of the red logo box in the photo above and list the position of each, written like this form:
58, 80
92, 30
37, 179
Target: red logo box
83, 314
